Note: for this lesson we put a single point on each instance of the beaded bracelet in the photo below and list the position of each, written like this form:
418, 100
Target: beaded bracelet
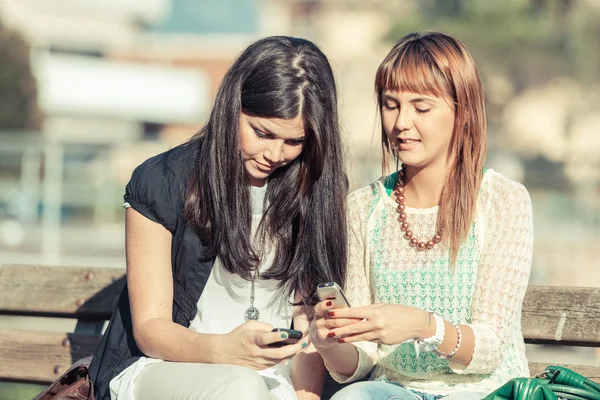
455, 350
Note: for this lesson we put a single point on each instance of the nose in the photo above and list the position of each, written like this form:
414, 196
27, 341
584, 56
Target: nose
274, 152
403, 120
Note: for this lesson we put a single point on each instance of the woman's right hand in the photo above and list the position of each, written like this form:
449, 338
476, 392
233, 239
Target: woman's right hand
321, 326
248, 346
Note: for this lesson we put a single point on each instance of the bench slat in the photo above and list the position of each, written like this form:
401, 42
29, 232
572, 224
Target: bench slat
40, 357
588, 371
85, 293
562, 315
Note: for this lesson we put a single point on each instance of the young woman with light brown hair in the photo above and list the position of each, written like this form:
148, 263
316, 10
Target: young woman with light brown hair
439, 252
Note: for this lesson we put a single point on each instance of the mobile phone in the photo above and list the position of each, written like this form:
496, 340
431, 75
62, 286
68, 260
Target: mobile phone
332, 291
293, 337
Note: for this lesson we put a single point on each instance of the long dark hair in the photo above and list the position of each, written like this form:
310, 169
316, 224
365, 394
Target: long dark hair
276, 77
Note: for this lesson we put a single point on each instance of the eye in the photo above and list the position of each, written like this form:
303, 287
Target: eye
295, 142
260, 135
390, 106
422, 110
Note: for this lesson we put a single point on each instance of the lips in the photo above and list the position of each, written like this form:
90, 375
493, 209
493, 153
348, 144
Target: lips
264, 168
408, 143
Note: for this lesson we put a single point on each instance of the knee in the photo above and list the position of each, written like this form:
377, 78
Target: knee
373, 390
244, 383
355, 391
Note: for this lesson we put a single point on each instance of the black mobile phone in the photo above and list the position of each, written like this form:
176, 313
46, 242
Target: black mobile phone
332, 291
293, 337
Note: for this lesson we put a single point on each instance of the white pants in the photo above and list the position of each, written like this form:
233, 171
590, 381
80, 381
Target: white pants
193, 381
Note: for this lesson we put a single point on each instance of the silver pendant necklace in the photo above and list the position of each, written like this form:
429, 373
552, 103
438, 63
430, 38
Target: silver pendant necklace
252, 312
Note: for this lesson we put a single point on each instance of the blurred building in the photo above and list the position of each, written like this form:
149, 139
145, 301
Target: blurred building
118, 81
95, 86
121, 70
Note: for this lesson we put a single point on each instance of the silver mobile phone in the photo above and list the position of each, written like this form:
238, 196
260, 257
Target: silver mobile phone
332, 291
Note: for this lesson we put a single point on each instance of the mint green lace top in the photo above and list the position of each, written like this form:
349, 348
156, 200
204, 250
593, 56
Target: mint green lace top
485, 289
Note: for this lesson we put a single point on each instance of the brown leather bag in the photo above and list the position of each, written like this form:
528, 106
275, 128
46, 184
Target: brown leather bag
73, 384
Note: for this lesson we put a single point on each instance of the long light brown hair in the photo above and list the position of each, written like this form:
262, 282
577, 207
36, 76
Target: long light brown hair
437, 64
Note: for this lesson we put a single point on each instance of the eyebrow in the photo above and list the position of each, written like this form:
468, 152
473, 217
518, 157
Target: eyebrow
423, 99
262, 128
413, 101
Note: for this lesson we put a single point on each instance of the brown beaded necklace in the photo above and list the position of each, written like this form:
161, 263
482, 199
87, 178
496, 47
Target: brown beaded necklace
405, 226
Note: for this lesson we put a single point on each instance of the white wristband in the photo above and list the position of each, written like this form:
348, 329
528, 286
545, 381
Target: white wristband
430, 344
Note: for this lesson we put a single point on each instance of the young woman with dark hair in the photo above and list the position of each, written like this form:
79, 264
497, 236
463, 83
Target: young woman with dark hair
439, 252
227, 237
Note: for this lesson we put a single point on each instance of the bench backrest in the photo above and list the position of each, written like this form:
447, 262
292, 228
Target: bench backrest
562, 315
565, 316
551, 315
86, 294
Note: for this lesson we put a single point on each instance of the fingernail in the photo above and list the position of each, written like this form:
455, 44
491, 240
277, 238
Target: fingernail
331, 334
330, 313
340, 340
304, 345
329, 303
283, 336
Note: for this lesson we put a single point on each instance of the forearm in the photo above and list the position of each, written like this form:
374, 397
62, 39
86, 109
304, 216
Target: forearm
308, 374
166, 340
464, 354
342, 358
461, 348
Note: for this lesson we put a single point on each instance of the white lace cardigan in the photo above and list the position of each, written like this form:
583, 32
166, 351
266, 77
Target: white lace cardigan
485, 290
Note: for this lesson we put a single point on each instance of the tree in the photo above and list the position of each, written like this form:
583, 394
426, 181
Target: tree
532, 41
19, 109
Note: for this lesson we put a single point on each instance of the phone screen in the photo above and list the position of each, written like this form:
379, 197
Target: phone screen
293, 337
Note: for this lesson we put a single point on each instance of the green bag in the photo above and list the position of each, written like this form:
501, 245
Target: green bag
554, 383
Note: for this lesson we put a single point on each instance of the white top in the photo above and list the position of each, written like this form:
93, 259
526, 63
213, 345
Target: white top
485, 290
226, 297
221, 308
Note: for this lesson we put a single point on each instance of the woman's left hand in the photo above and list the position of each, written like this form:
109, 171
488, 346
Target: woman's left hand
382, 323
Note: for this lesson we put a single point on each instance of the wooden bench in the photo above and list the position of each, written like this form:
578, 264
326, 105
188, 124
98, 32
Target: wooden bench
562, 316
556, 316
88, 295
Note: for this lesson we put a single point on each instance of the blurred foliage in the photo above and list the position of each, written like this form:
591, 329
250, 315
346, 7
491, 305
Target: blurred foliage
528, 41
19, 108
19, 391
519, 43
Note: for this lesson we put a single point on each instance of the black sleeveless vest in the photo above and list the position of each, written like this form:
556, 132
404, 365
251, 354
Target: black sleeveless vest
156, 190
